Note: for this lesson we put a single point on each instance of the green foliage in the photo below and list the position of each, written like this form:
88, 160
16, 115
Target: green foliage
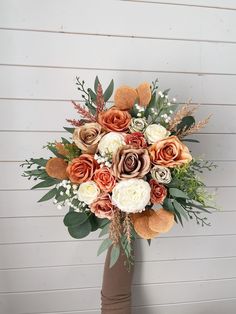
108, 92
73, 218
104, 246
80, 231
48, 195
186, 123
115, 253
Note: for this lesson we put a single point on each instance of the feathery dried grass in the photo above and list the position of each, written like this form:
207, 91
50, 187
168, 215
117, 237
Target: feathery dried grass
186, 110
115, 227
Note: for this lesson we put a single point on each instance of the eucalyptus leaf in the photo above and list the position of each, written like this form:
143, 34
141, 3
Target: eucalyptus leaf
96, 83
45, 184
168, 205
80, 231
191, 140
39, 161
177, 193
180, 209
70, 130
115, 253
108, 92
65, 141
74, 218
48, 195
149, 241
92, 95
178, 218
104, 246
105, 230
55, 152
186, 123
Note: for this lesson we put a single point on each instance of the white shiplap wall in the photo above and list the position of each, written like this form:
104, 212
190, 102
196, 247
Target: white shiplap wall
190, 47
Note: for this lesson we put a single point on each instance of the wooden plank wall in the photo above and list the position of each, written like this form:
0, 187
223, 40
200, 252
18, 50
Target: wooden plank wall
190, 47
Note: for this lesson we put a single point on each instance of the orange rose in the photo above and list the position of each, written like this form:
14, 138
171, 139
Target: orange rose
114, 120
82, 169
136, 140
102, 207
104, 179
169, 152
158, 192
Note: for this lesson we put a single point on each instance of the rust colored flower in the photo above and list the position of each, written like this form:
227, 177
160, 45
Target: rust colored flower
114, 120
158, 192
82, 169
87, 136
144, 93
129, 162
136, 140
141, 225
125, 97
104, 179
161, 220
56, 168
169, 152
102, 207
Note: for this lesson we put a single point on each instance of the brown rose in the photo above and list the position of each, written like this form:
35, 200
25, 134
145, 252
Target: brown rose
102, 207
114, 120
56, 168
104, 179
129, 162
158, 192
169, 152
82, 169
136, 140
87, 136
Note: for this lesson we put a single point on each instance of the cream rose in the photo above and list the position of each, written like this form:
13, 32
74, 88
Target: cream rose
138, 125
155, 133
110, 143
88, 192
161, 174
131, 195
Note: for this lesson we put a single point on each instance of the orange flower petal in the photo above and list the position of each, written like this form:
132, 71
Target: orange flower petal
144, 94
141, 221
125, 97
161, 221
56, 168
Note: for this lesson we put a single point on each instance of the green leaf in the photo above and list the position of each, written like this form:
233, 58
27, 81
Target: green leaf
108, 92
105, 230
186, 123
104, 246
65, 141
48, 195
178, 217
96, 83
150, 106
55, 152
102, 222
92, 95
45, 184
180, 209
40, 161
200, 207
168, 205
115, 253
70, 130
80, 231
74, 218
190, 140
177, 193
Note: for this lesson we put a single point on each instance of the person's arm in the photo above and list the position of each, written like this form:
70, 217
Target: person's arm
116, 287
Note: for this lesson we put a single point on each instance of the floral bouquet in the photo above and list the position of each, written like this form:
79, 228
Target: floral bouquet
125, 169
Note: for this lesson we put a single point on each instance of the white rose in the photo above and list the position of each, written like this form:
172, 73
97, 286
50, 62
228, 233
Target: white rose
138, 125
155, 133
131, 195
110, 142
88, 192
161, 174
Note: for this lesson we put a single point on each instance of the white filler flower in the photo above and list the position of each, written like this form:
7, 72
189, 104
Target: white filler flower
88, 192
131, 195
155, 133
110, 142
